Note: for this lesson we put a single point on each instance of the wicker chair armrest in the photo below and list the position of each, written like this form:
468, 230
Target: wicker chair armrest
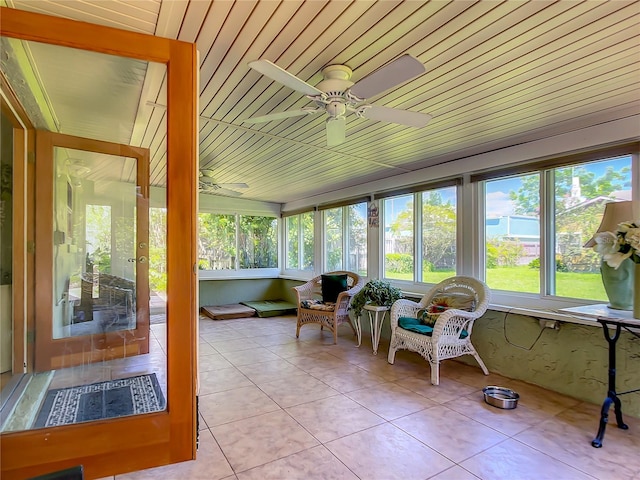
450, 323
402, 308
306, 291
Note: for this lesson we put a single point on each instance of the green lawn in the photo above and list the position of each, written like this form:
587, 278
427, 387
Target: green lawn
525, 279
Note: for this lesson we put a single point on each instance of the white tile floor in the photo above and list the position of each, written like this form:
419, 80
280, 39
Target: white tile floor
274, 407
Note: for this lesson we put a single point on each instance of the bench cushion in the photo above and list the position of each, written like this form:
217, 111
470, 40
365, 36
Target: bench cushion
271, 308
225, 312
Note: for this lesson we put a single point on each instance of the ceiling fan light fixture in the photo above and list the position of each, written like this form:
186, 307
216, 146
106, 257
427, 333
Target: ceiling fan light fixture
336, 109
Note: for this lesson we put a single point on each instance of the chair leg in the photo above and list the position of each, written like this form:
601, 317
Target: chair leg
298, 329
481, 363
435, 373
392, 352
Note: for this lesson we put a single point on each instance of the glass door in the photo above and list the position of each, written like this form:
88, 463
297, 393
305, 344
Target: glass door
85, 264
99, 223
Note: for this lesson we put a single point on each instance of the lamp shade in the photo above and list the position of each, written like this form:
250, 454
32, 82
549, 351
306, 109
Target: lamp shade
614, 214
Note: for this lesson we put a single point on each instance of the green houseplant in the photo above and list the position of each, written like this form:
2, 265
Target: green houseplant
375, 292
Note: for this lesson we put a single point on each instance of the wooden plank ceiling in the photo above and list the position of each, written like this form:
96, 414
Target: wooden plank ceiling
497, 74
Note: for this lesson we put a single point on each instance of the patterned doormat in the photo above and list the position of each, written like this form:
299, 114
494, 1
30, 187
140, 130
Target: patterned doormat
110, 399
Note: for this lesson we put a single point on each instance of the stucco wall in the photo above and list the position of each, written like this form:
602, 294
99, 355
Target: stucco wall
573, 360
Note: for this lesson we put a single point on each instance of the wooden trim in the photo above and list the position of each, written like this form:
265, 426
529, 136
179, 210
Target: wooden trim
121, 445
343, 203
86, 36
44, 247
22, 134
181, 246
19, 252
559, 161
143, 322
31, 262
423, 187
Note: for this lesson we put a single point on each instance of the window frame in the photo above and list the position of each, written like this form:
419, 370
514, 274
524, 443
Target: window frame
546, 297
236, 272
417, 282
284, 246
345, 234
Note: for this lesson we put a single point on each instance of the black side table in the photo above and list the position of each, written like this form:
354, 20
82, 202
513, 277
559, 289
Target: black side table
612, 395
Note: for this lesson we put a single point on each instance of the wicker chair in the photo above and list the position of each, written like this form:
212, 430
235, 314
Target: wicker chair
451, 336
327, 316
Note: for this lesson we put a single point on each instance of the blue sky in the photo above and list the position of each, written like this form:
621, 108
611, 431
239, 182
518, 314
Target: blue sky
499, 204
497, 192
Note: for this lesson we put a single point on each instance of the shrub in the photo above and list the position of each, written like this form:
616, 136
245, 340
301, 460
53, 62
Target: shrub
399, 262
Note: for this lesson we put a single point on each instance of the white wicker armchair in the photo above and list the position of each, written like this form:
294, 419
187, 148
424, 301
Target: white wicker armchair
312, 290
447, 339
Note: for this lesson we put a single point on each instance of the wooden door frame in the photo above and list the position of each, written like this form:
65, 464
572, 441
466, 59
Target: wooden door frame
52, 354
22, 264
132, 443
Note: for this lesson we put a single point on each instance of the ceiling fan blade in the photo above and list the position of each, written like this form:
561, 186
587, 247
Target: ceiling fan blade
395, 115
336, 128
233, 185
226, 192
398, 71
217, 190
279, 116
274, 72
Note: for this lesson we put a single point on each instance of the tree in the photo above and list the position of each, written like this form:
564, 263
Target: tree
575, 223
438, 230
258, 242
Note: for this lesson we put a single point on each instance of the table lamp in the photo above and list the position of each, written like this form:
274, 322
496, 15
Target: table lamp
618, 283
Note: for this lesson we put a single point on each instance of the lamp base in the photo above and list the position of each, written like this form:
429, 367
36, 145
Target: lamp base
619, 284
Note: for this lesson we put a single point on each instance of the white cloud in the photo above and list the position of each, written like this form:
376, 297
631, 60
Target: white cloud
499, 204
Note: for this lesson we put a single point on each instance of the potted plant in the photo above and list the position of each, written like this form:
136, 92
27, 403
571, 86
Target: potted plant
375, 292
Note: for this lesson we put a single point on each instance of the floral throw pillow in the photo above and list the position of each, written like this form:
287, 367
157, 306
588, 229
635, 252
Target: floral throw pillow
442, 303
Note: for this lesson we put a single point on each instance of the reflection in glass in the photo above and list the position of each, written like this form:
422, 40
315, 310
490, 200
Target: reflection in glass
104, 341
94, 244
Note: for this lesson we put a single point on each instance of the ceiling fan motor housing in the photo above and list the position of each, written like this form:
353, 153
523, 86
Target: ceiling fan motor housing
334, 87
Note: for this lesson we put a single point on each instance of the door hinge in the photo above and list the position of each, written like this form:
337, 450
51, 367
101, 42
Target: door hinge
31, 157
31, 336
31, 246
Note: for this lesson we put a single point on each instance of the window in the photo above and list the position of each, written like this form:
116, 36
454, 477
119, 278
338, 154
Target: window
431, 227
512, 233
258, 242
438, 234
333, 236
299, 241
229, 242
292, 230
345, 238
398, 237
581, 192
217, 242
357, 238
522, 256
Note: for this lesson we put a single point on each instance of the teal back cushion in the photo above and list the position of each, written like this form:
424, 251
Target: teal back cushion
332, 285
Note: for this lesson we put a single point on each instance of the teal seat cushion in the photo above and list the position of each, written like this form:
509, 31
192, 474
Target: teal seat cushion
414, 325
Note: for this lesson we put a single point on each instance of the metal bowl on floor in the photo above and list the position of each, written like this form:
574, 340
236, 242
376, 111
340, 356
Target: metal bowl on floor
500, 397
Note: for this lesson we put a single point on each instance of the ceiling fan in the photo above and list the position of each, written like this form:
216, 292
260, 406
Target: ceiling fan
207, 184
338, 96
